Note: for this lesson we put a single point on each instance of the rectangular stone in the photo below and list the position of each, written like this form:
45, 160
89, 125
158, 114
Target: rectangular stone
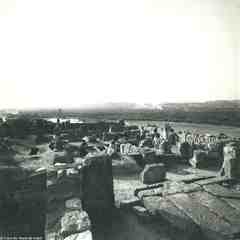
218, 206
74, 204
193, 177
212, 181
211, 224
220, 191
153, 173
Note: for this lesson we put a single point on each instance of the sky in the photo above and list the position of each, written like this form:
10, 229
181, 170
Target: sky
68, 53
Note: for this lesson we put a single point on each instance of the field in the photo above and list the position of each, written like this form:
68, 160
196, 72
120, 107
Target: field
195, 127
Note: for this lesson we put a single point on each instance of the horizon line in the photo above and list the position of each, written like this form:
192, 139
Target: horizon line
108, 104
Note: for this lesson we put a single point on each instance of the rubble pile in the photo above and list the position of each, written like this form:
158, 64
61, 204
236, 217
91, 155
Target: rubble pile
75, 186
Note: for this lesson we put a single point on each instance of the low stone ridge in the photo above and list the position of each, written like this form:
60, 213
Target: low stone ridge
213, 180
153, 173
171, 188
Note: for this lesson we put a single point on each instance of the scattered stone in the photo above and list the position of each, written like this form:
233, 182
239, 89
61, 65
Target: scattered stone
79, 167
71, 171
74, 204
42, 169
78, 160
61, 173
87, 235
52, 173
74, 222
153, 173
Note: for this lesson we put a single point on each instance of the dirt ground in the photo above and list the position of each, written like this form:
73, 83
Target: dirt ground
126, 226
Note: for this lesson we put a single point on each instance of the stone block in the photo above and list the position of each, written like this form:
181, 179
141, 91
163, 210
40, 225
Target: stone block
153, 173
149, 156
73, 204
200, 159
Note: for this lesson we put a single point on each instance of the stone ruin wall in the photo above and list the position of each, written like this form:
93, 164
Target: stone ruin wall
56, 204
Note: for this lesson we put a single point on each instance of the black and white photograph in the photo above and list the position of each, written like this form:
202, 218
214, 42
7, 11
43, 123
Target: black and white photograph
120, 120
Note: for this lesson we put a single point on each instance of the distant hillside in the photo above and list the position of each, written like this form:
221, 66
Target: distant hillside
213, 112
205, 106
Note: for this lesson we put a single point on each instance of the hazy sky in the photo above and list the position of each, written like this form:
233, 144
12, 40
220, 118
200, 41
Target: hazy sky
56, 53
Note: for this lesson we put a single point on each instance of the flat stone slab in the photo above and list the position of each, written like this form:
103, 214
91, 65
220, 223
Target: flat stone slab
211, 209
211, 224
168, 211
235, 203
220, 191
212, 181
218, 206
196, 177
